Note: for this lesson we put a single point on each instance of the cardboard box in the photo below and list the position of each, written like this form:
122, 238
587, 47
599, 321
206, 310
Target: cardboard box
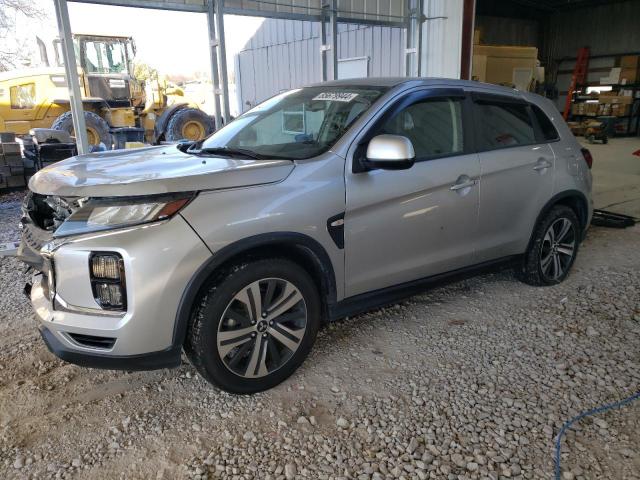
620, 110
501, 62
591, 109
630, 61
629, 75
623, 99
612, 78
479, 68
477, 36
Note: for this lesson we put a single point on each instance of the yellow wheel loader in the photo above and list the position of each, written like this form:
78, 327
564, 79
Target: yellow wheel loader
111, 95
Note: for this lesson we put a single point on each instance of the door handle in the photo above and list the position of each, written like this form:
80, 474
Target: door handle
542, 164
463, 185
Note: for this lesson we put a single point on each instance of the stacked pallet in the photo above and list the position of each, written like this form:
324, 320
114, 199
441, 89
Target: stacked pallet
11, 163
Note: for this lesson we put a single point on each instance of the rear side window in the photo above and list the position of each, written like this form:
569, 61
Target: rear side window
504, 125
434, 127
547, 129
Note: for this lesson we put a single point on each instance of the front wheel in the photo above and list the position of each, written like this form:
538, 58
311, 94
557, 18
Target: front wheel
553, 248
254, 325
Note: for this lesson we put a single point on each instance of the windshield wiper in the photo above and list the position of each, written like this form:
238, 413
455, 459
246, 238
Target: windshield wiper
228, 151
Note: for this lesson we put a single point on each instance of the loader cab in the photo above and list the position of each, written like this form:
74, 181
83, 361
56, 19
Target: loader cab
107, 64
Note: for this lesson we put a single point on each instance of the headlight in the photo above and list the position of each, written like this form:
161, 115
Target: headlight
110, 213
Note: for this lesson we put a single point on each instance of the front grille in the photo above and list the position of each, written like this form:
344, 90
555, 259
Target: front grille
92, 341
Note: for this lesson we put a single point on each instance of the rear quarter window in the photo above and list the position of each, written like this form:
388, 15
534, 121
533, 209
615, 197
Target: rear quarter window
549, 132
504, 125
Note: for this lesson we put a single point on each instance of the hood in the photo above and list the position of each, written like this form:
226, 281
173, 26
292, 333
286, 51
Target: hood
152, 170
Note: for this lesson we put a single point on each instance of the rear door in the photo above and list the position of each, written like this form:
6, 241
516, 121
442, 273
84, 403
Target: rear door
404, 225
517, 172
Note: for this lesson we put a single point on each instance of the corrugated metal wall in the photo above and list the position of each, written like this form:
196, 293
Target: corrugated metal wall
442, 38
285, 54
508, 31
606, 29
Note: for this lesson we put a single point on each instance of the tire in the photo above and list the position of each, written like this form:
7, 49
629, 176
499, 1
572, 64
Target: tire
189, 124
231, 360
591, 139
547, 262
605, 140
97, 127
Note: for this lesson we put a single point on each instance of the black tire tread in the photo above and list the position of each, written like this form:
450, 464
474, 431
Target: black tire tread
530, 272
195, 346
65, 123
173, 133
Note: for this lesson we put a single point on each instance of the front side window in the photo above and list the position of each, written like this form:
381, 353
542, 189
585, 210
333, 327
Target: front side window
105, 57
23, 96
297, 124
434, 127
504, 125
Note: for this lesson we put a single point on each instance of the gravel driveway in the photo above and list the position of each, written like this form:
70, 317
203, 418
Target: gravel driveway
471, 380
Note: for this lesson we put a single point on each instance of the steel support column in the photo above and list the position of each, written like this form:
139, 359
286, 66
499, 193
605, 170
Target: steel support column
222, 59
333, 35
329, 37
413, 52
466, 54
213, 54
71, 73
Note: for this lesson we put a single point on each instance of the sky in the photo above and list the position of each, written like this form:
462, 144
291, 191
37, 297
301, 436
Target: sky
175, 43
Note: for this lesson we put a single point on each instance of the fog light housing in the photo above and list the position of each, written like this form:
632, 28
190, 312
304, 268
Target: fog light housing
105, 266
108, 280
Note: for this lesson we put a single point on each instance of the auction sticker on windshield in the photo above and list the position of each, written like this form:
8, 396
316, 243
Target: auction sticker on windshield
336, 96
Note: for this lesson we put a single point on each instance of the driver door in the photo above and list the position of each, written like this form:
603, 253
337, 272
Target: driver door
404, 225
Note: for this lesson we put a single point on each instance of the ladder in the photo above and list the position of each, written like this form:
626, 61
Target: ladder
579, 77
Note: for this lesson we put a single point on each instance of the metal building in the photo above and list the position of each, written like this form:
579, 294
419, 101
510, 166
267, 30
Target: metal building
442, 25
283, 53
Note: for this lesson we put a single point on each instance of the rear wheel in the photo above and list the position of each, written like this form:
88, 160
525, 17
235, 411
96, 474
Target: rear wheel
254, 325
97, 128
189, 124
553, 248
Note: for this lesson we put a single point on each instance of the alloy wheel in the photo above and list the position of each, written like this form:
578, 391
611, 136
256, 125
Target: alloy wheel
558, 249
262, 327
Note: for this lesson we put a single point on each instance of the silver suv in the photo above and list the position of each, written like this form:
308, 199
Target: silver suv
319, 203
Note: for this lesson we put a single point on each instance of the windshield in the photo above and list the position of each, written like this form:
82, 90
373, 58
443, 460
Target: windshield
297, 124
104, 56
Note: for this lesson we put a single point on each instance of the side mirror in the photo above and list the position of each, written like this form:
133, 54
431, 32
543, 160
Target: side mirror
390, 152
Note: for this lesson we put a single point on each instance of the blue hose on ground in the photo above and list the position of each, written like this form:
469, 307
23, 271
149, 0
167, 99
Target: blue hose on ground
593, 411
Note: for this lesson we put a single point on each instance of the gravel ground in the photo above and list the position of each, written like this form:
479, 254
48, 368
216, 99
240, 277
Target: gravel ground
472, 380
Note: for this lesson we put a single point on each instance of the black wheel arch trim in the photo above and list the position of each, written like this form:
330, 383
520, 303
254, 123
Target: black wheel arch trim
582, 216
320, 257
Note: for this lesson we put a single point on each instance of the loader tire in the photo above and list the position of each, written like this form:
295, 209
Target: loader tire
189, 124
97, 128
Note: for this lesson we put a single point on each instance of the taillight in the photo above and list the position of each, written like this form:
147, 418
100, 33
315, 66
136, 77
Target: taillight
586, 154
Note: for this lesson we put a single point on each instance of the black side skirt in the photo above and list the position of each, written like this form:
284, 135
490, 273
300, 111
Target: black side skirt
385, 296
